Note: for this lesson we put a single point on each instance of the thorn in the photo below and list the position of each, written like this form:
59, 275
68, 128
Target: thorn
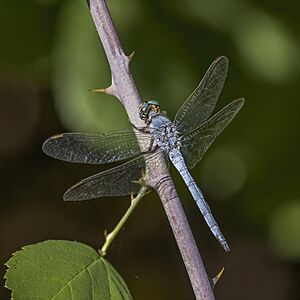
148, 192
110, 91
136, 181
131, 198
105, 233
97, 90
130, 56
217, 277
140, 181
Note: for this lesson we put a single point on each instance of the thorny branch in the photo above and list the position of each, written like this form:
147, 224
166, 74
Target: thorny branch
123, 87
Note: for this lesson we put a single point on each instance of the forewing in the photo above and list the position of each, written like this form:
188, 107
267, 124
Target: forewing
201, 103
92, 148
196, 142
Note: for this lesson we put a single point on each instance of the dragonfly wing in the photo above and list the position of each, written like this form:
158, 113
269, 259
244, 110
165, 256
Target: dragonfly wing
201, 103
118, 181
196, 142
92, 148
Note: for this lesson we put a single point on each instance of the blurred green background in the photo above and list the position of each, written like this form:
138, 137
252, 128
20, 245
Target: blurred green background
50, 56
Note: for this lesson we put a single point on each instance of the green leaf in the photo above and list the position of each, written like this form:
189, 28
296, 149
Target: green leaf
58, 269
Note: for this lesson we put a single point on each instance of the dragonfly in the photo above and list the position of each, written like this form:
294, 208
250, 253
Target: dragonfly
183, 142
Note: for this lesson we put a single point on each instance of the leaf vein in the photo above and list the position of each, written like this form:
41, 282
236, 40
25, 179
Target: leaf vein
76, 276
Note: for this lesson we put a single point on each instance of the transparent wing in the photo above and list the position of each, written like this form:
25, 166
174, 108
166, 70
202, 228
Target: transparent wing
118, 181
201, 103
196, 142
95, 148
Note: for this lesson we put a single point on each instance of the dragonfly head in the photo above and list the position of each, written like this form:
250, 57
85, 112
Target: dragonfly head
146, 107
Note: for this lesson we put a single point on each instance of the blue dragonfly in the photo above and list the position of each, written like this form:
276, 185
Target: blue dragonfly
183, 141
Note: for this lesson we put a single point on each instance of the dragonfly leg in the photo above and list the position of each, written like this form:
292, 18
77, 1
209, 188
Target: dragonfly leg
151, 147
141, 129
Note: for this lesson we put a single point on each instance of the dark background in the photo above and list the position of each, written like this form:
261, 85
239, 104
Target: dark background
50, 56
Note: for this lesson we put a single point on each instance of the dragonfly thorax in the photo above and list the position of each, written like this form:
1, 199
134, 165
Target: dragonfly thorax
162, 129
166, 136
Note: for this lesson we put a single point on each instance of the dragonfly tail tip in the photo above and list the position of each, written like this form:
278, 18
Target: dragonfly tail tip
226, 247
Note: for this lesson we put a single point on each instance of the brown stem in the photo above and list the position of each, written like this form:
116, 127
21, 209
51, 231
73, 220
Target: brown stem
123, 87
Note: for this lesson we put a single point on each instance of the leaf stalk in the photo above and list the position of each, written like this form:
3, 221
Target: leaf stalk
112, 235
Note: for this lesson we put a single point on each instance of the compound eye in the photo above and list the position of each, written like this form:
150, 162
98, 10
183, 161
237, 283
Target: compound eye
144, 111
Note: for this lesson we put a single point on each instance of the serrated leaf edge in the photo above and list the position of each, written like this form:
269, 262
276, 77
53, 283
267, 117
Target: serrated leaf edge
112, 275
